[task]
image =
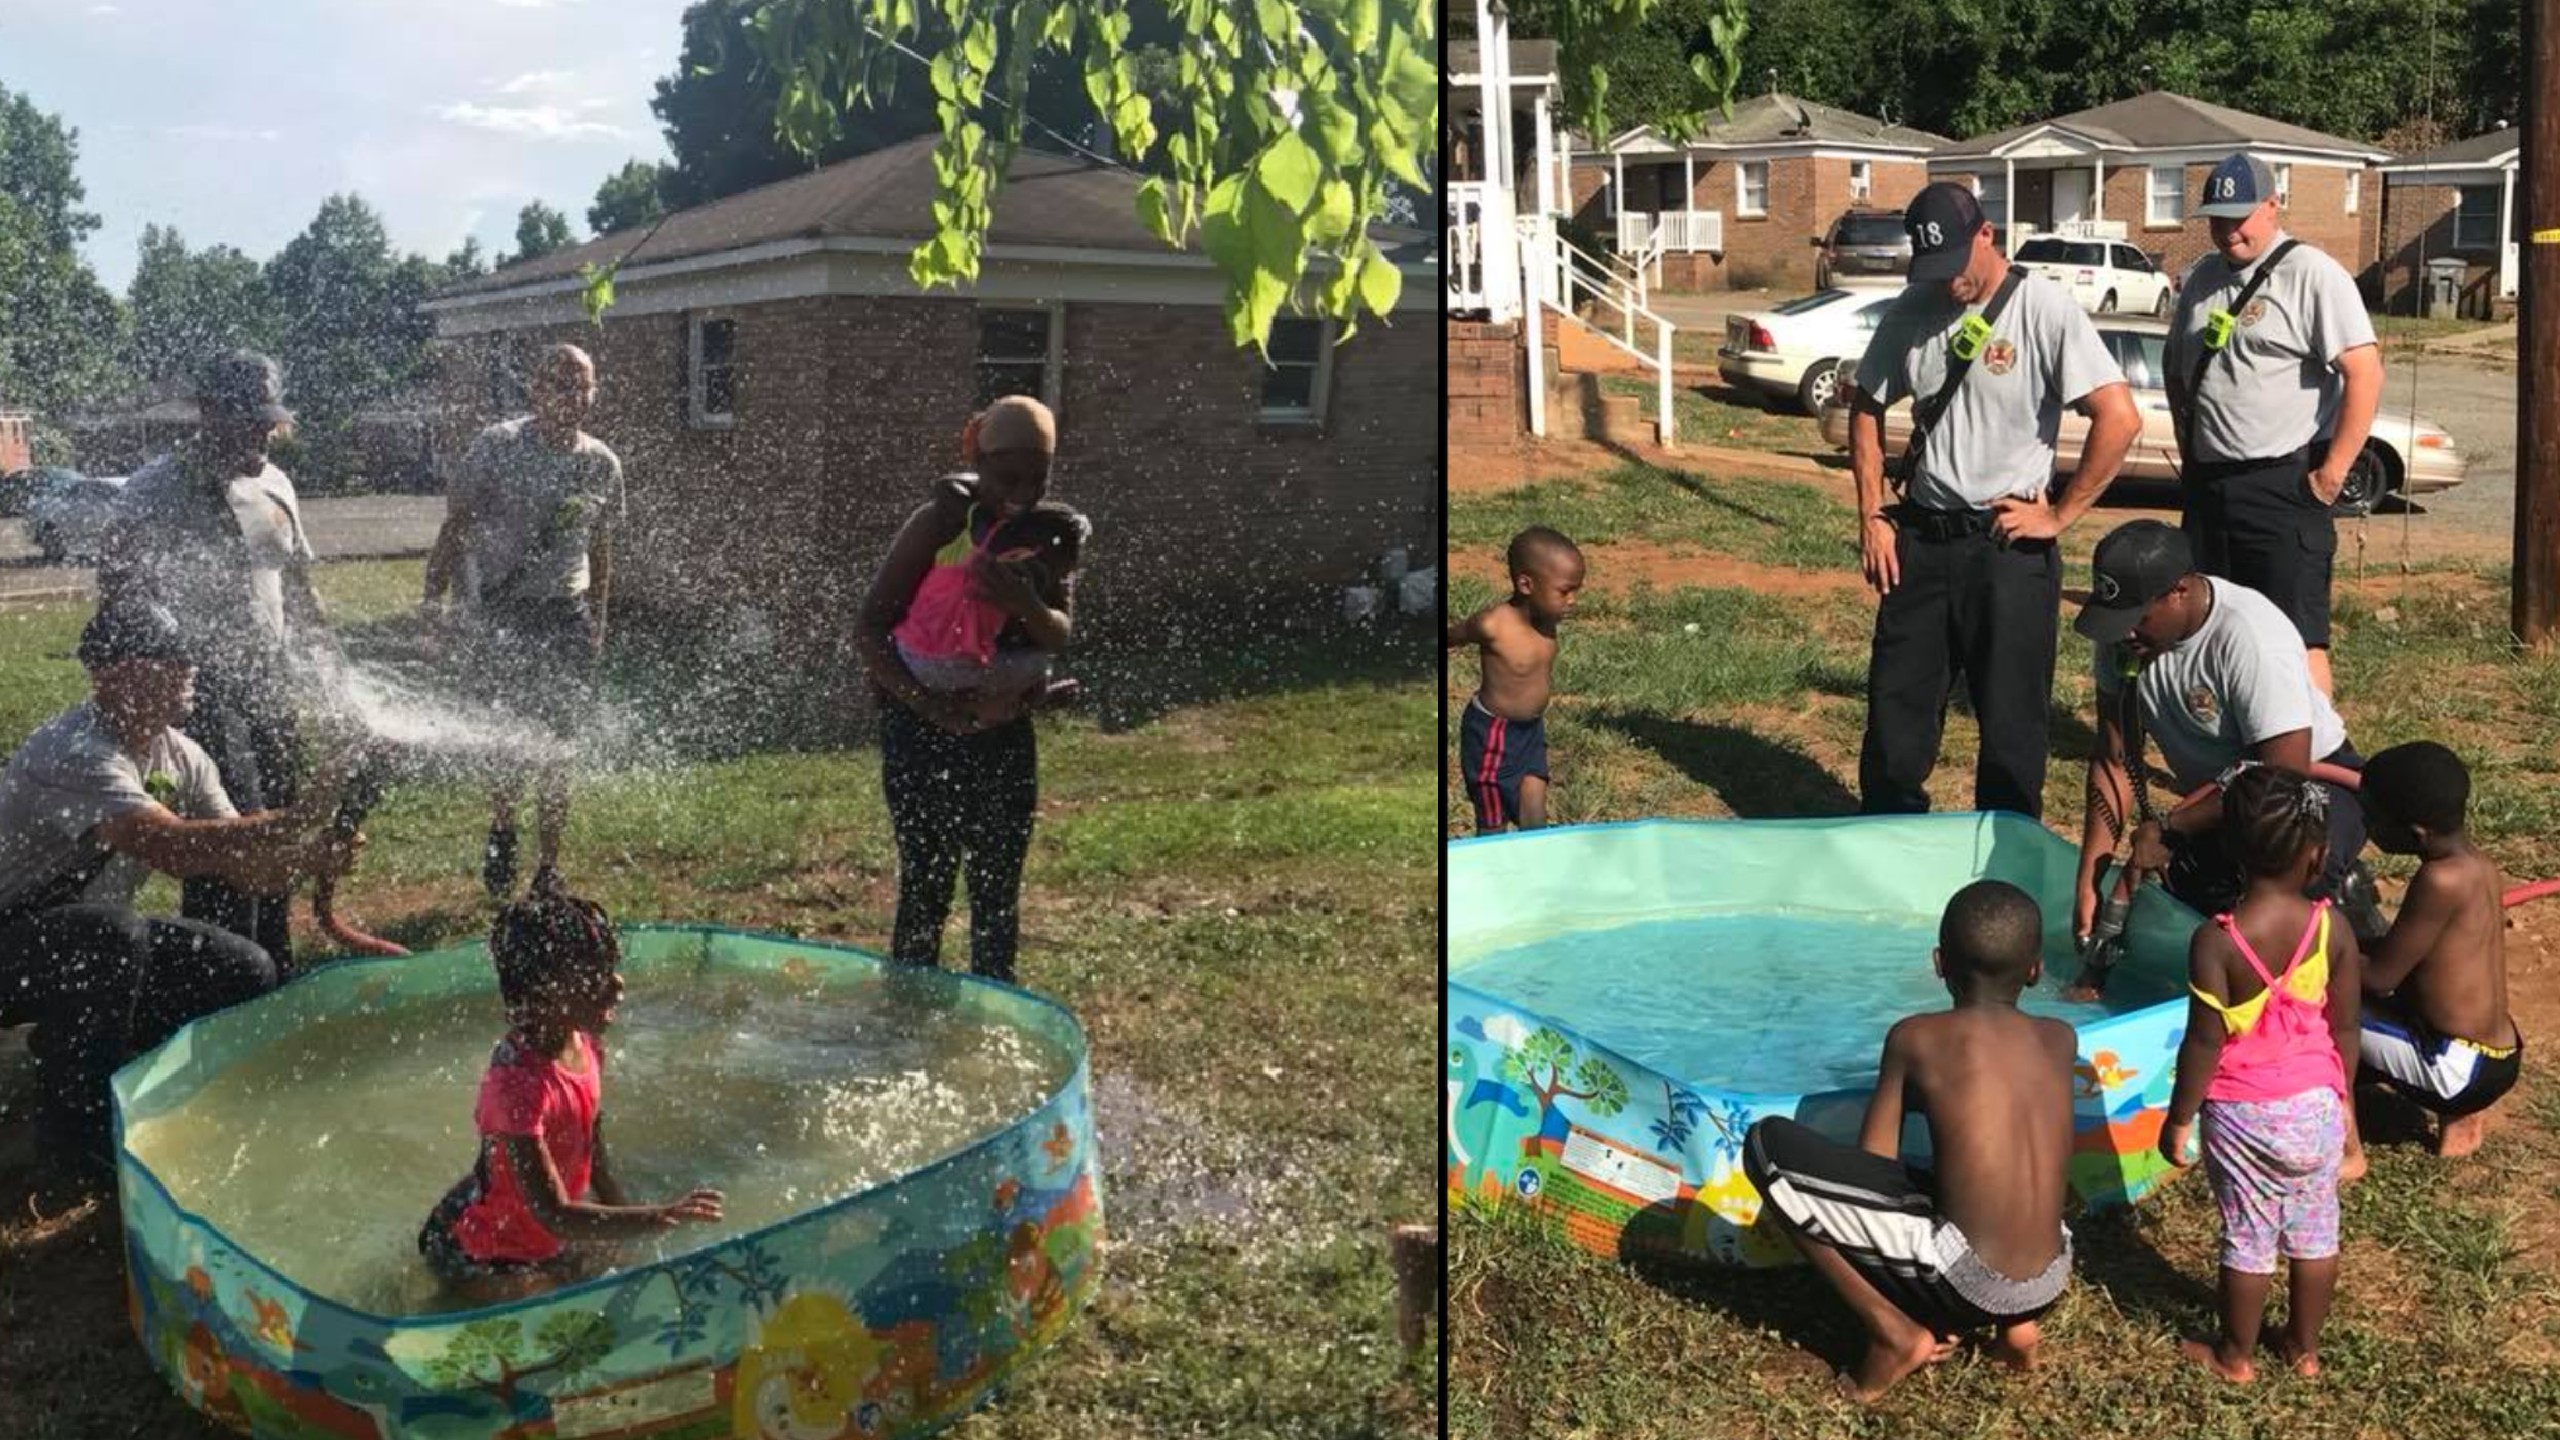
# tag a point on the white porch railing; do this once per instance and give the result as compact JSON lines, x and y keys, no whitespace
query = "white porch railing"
{"x":2507,"y":271}
{"x":1617,"y":314}
{"x":1683,"y":231}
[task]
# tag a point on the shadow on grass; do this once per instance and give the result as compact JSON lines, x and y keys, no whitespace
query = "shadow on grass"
{"x":2110,"y":1254}
{"x":1755,"y":776}
{"x":1791,"y":1302}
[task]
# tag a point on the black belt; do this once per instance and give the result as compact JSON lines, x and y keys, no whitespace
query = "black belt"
{"x":1930,"y":524}
{"x":2311,"y":455}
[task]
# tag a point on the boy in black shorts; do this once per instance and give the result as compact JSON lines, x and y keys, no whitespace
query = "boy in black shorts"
{"x":1502,"y":742}
{"x":2436,"y":1027}
{"x":1979,"y":1244}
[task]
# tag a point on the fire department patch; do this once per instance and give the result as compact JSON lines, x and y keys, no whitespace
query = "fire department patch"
{"x":2202,"y":705}
{"x":2253,"y":312}
{"x":1999,"y":356}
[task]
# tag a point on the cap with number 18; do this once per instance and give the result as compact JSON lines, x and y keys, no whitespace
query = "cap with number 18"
{"x":1942,"y":221}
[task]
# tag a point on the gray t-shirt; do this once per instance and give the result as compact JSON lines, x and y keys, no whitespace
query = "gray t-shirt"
{"x":535,"y":512}
{"x":2240,"y":679}
{"x":70,"y":777}
{"x":2274,"y":388}
{"x":1996,"y":439}
{"x":215,"y":552}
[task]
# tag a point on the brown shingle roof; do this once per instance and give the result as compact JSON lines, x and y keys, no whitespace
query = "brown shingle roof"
{"x":2161,"y":120}
{"x":2478,"y":150}
{"x":1049,"y":200}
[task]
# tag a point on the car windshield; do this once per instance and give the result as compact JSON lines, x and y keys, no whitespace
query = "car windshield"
{"x":2040,"y":252}
{"x":1869,"y":230}
{"x":1814,"y":301}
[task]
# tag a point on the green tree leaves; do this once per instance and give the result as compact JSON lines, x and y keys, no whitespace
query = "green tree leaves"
{"x":1271,"y":129}
{"x":629,"y":197}
{"x":540,"y":230}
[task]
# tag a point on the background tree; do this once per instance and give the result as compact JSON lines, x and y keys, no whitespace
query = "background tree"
{"x":59,"y":328}
{"x":186,"y":307}
{"x":539,"y":231}
{"x":466,"y":262}
{"x":629,"y":197}
{"x":348,"y":329}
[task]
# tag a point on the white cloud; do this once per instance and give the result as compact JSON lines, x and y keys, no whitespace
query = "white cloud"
{"x":542,"y":122}
{"x":106,"y":9}
{"x":535,"y":4}
{"x":227,"y":133}
{"x":536,"y":80}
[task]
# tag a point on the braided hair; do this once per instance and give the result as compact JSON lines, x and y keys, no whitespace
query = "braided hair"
{"x":2270,"y":815}
{"x":542,"y":939}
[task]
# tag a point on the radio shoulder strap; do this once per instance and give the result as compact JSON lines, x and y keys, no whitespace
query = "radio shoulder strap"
{"x":1925,"y":414}
{"x":2204,"y":355}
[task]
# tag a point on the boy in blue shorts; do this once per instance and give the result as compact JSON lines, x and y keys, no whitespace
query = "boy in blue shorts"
{"x":1502,"y":742}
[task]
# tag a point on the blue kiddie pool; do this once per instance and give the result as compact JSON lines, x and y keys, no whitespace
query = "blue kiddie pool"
{"x":908,"y":1160}
{"x":1625,"y":1000}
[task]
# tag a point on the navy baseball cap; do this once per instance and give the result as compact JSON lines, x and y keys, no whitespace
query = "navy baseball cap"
{"x":1941,"y":221}
{"x":243,"y":385}
{"x":124,"y":630}
{"x":2136,"y":564}
{"x":2237,"y":186}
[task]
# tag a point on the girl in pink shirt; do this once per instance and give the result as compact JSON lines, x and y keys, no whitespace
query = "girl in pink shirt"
{"x":523,"y":1221}
{"x":2273,"y":1005}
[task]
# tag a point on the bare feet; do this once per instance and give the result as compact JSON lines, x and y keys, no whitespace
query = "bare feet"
{"x":1885,"y":1365}
{"x":2209,"y":1355}
{"x":2457,"y":1138}
{"x":2305,"y":1359}
{"x":2353,"y":1166}
{"x":2016,"y":1347}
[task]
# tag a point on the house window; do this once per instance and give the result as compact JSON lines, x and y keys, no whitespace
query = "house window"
{"x":711,"y":373}
{"x":2355,"y":189}
{"x":1861,"y":180}
{"x":1751,"y":188}
{"x":1018,"y":352}
{"x":1294,"y":383}
{"x":2475,"y":223}
{"x":2284,"y":187}
{"x":2167,"y":200}
{"x":1993,"y":193}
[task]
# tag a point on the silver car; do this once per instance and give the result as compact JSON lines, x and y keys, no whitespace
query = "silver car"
{"x":69,"y":514}
{"x":2405,"y":455}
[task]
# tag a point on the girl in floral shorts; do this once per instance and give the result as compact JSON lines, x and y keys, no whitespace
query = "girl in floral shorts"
{"x":2260,"y":1063}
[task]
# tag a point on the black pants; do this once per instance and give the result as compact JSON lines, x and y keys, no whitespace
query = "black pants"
{"x":1964,"y":603}
{"x":2256,"y":523}
{"x":102,"y":983}
{"x":958,"y":801}
{"x":2203,"y":874}
{"x":244,"y":722}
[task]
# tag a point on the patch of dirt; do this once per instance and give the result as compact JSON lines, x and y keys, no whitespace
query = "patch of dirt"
{"x":1480,"y":469}
{"x":1622,"y":565}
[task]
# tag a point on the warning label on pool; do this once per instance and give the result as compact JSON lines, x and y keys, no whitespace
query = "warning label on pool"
{"x":686,"y":1393}
{"x":1631,"y":1172}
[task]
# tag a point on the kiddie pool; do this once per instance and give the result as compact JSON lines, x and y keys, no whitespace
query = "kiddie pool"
{"x":887,"y":1313}
{"x":1625,"y":1159}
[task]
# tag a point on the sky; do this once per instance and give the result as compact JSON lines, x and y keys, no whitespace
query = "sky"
{"x":233,"y":119}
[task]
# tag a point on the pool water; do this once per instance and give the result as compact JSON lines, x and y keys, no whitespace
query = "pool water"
{"x":323,"y":1151}
{"x":1774,"y":1002}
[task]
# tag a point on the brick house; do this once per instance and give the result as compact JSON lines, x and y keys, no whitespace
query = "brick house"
{"x":2458,"y":203}
{"x":2140,"y":163}
{"x":1742,"y":204}
{"x":781,"y":394}
{"x":17,"y":441}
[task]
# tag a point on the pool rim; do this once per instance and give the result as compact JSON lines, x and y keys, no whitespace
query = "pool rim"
{"x":1078,"y":1077}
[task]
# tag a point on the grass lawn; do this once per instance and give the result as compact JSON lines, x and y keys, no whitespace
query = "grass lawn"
{"x":1715,"y":415}
{"x":1238,"y":898}
{"x":2448,"y":1320}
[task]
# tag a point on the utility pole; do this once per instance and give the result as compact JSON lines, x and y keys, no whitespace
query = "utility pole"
{"x":2536,"y":613}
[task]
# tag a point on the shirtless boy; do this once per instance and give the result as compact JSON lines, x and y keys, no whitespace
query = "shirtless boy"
{"x":2436,"y":1028}
{"x":1979,"y":1244}
{"x":1502,"y":744}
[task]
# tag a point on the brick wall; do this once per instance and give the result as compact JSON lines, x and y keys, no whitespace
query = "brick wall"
{"x":2315,"y":213}
{"x":847,"y":407}
{"x":1486,"y":384}
{"x":2420,"y":222}
{"x":1805,"y":195}
{"x":17,"y":450}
